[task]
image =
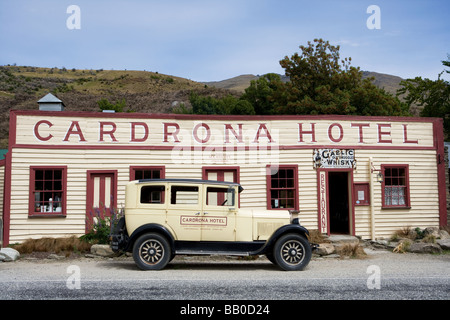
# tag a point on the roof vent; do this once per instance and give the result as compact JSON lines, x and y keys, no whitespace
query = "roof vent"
{"x":50,"y":103}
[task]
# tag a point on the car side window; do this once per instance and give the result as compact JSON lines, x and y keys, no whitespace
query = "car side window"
{"x":216,"y":196}
{"x":184,"y":195}
{"x":152,"y":194}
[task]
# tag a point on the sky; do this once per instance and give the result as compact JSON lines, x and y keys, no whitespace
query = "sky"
{"x":210,"y":40}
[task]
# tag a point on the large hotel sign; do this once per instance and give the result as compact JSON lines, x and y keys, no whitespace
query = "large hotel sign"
{"x":94,"y":129}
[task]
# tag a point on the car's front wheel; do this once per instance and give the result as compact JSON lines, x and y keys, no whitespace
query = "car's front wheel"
{"x":292,"y":252}
{"x":151,"y":251}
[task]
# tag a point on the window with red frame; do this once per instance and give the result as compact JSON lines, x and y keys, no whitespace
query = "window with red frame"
{"x":47,"y":190}
{"x":395,"y":186}
{"x":138,"y":173}
{"x":282,"y":187}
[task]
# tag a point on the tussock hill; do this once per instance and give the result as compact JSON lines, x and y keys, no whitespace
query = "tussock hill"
{"x":149,"y":92}
{"x":389,"y":82}
{"x":144,"y":91}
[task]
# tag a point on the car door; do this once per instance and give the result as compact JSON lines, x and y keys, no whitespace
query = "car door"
{"x":219,"y":213}
{"x":184,"y":211}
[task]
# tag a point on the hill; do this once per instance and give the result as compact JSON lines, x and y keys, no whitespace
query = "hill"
{"x":144,"y":91}
{"x":389,"y":82}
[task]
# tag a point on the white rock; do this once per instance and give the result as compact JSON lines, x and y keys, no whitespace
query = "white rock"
{"x":9,"y":254}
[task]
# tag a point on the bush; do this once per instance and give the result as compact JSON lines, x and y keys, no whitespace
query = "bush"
{"x":351,"y":250}
{"x":101,"y":225}
{"x":56,"y":245}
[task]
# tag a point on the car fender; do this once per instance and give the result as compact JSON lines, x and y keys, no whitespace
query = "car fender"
{"x":289,"y":228}
{"x":150,"y":227}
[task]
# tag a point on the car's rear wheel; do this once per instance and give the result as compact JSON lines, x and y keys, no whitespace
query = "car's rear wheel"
{"x":151,"y":251}
{"x":292,"y":252}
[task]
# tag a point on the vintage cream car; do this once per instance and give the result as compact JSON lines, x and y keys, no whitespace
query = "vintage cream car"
{"x":166,"y":217}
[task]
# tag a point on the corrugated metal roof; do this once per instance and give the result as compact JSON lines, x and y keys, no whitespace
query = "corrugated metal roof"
{"x":49,"y":98}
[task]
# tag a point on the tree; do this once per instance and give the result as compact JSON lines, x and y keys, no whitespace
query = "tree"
{"x":447,"y":63}
{"x":433,"y":96}
{"x":226,"y":105}
{"x":119,"y":106}
{"x":322,"y":83}
{"x":264,"y":94}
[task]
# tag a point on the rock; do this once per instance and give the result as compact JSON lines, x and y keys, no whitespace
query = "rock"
{"x":331,"y":256}
{"x":103,"y":250}
{"x":9,"y":254}
{"x":443,"y":234}
{"x":423,"y":247}
{"x":382,"y":244}
{"x":431,"y":231}
{"x":325,"y":249}
{"x":444,"y":244}
{"x":55,"y":256}
{"x":343,"y":239}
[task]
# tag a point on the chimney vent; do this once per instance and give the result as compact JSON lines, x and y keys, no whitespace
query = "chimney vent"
{"x":50,"y":103}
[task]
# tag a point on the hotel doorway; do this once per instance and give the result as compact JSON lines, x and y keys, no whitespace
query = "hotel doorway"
{"x":339,"y":202}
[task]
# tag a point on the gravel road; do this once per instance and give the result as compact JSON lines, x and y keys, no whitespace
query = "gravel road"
{"x":381,"y":275}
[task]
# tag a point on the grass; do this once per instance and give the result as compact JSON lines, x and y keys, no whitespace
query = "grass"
{"x":351,"y":250}
{"x":315,"y":236}
{"x":57,"y":245}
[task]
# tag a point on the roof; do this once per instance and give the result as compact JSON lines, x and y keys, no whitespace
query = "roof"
{"x":49,"y":98}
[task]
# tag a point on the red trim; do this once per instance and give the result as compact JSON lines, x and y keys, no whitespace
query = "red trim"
{"x":319,"y":199}
{"x":269,"y":186}
{"x":221,"y":170}
{"x":407,"y":204}
{"x":90,"y":190}
{"x":169,"y":116}
{"x":31,"y":204}
{"x":197,"y":148}
{"x":440,"y":153}
{"x":361,"y":186}
{"x":162,"y":171}
{"x":7,"y":186}
{"x":234,"y":169}
{"x":350,"y":198}
{"x":171,"y":135}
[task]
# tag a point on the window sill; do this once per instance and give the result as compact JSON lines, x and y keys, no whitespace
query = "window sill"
{"x":49,"y":215}
{"x":394,"y":208}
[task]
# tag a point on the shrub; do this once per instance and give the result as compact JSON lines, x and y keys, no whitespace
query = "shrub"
{"x":101,"y":226}
{"x":403,"y":246}
{"x":57,"y":245}
{"x":351,"y":250}
{"x":315,"y":236}
{"x":404,"y":232}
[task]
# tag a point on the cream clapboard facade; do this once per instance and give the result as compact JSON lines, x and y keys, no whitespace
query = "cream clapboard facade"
{"x":94,"y":150}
